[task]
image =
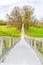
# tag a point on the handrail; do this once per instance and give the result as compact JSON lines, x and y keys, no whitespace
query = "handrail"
{"x":7,"y":47}
{"x":33,"y":43}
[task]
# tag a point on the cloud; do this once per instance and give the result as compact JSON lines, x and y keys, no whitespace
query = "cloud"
{"x":7,"y":5}
{"x":6,"y":2}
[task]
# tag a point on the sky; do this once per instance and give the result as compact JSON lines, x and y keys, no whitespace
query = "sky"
{"x":7,"y":5}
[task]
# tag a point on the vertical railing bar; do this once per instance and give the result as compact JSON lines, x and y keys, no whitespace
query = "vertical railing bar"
{"x":1,"y":46}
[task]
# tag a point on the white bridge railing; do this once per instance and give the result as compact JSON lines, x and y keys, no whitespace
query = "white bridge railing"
{"x":6,"y":43}
{"x":37,"y":45}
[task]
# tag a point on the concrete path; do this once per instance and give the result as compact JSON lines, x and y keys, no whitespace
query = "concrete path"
{"x":22,"y":33}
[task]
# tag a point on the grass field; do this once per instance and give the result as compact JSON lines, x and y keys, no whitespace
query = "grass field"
{"x":35,"y":32}
{"x":9,"y":31}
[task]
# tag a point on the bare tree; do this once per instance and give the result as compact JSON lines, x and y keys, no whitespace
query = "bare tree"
{"x":15,"y":17}
{"x":28,"y":15}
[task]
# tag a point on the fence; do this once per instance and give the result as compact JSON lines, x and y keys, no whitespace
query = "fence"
{"x":37,"y":45}
{"x":6,"y":44}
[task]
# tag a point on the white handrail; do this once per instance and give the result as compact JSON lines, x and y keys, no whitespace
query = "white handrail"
{"x":12,"y":42}
{"x":29,"y":39}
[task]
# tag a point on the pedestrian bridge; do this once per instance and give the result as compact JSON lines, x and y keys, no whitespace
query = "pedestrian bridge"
{"x":20,"y":51}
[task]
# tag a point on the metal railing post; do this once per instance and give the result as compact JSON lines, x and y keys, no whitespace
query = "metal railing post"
{"x":13,"y":40}
{"x":42,"y":45}
{"x":4,"y":43}
{"x":10,"y":43}
{"x":34,"y":43}
{"x":31,"y":42}
{"x":1,"y":46}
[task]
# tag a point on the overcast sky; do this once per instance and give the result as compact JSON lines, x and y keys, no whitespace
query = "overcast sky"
{"x":7,"y":5}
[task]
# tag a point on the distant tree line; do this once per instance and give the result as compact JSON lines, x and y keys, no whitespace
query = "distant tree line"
{"x":2,"y":22}
{"x":37,"y":23}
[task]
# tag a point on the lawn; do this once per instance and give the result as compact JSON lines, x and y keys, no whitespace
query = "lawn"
{"x":9,"y":31}
{"x":35,"y":32}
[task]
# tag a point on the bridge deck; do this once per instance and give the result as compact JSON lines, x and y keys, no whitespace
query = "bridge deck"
{"x":22,"y":54}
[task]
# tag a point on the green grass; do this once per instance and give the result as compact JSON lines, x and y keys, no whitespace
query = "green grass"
{"x":9,"y":31}
{"x":35,"y":32}
{"x":7,"y":45}
{"x":41,"y":51}
{"x":37,"y":45}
